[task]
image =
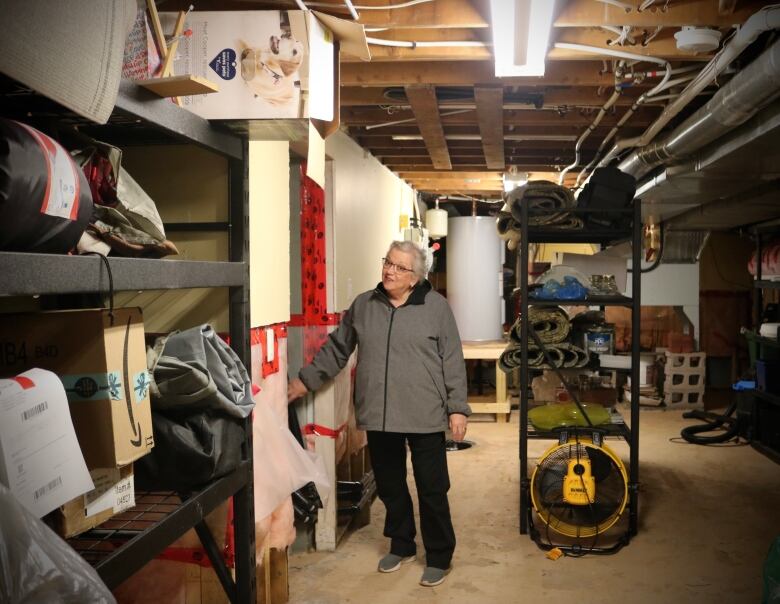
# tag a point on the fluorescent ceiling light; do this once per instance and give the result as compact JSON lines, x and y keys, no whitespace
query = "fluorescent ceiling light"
{"x":521,"y":35}
{"x":514,"y":179}
{"x":507,"y":137}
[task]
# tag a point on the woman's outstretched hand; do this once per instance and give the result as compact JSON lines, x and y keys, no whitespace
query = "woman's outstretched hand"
{"x":295,"y":389}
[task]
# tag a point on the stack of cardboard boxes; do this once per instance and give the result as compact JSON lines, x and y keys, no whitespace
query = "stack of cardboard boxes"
{"x":100,"y":357}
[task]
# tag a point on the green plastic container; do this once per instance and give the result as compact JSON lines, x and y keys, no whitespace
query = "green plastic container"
{"x":771,"y":593}
{"x":761,"y":348}
{"x":564,"y":415}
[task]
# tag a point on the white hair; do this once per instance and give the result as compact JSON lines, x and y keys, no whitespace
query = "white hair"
{"x":419,"y":256}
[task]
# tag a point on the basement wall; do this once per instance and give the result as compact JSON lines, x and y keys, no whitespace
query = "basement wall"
{"x":367,"y":201}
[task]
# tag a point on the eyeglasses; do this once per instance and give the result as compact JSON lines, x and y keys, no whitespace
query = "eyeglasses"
{"x":397,"y":267}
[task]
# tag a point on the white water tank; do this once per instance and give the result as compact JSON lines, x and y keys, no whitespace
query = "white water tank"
{"x":436,"y":223}
{"x":475,"y":277}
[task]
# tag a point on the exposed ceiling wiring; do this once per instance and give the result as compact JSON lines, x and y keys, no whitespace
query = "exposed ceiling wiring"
{"x":412,"y":119}
{"x":650,"y":37}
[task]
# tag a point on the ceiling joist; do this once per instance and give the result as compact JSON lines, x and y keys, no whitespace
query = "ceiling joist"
{"x":426,"y":111}
{"x":490,"y":116}
{"x":469,"y":73}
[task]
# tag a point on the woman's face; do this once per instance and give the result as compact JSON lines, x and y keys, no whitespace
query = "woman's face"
{"x":397,"y":274}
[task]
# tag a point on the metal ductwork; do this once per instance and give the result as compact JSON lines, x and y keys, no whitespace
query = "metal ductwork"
{"x":747,"y":92}
{"x":733,"y":167}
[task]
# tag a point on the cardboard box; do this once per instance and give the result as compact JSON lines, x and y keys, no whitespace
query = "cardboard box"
{"x":268,"y":64}
{"x":114,"y":492}
{"x":102,"y":365}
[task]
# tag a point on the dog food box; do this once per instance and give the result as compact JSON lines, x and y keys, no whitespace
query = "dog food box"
{"x":268,"y":64}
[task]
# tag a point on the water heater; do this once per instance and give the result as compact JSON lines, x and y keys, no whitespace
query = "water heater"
{"x":475,"y":277}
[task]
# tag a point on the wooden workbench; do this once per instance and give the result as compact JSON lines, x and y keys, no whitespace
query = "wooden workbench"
{"x":501,"y":405}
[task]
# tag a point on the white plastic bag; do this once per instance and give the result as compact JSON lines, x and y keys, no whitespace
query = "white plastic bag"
{"x":281,"y":464}
{"x":37,"y":567}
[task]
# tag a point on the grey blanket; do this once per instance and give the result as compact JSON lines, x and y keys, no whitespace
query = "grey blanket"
{"x":196,"y":370}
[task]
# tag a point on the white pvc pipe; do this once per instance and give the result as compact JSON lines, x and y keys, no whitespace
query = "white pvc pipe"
{"x":621,"y":54}
{"x":351,"y":10}
{"x":665,"y":84}
{"x":766,"y":19}
{"x":602,"y":112}
{"x":412,"y":119}
{"x":391,"y":6}
{"x":301,"y":5}
{"x":435,"y":44}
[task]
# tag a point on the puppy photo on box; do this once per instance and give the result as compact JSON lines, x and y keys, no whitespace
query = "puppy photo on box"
{"x":271,"y":71}
{"x":258,"y":58}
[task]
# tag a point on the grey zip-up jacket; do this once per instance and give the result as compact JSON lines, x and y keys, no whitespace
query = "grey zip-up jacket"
{"x":410,"y":369}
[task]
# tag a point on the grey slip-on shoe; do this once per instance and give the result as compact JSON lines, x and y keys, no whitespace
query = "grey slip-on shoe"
{"x":391,"y":562}
{"x":433,"y":576}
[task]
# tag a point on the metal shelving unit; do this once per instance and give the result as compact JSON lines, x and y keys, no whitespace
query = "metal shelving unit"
{"x":123,"y":545}
{"x":764,"y":402}
{"x":617,"y":428}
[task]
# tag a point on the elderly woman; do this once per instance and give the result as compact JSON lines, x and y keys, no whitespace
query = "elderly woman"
{"x":409,"y":387}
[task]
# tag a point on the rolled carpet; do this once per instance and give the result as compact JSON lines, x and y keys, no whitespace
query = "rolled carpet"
{"x":564,"y":354}
{"x":551,"y":324}
{"x":539,"y":195}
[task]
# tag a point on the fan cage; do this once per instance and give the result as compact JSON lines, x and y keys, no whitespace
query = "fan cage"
{"x":579,"y":521}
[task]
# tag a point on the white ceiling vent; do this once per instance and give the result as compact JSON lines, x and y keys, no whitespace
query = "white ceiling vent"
{"x":697,"y":39}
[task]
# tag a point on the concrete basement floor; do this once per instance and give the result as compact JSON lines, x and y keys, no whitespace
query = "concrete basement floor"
{"x":707,"y":518}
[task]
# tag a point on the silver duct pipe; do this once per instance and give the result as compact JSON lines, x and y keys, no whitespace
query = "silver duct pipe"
{"x":766,"y":19}
{"x":748,"y":91}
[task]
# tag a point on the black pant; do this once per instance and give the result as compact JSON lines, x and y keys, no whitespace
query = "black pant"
{"x":429,"y":460}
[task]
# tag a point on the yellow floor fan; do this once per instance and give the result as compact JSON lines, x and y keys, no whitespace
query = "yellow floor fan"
{"x":579,"y":489}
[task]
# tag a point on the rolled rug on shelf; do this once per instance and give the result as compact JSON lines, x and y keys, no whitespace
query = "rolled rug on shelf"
{"x":542,"y":195}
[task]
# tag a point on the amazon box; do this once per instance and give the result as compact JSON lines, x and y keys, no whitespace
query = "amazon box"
{"x":101,"y":360}
{"x":114,"y":493}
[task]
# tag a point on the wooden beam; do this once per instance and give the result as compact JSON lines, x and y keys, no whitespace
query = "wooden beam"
{"x":490,"y":116}
{"x":461,"y":147}
{"x":511,"y":117}
{"x":546,"y":167}
{"x":426,"y":112}
{"x":587,"y":96}
{"x":459,"y":162}
{"x":452,"y":174}
{"x":426,"y":53}
{"x":530,"y":131}
{"x":457,"y":184}
{"x":440,"y":13}
{"x":469,"y":73}
{"x":587,"y":13}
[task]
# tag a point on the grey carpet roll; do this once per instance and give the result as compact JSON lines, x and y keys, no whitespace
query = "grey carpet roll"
{"x":539,"y":195}
{"x":553,"y":326}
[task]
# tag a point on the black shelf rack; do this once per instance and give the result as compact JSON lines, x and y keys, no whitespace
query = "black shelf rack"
{"x":617,"y":428}
{"x":766,"y":416}
{"x":122,"y":546}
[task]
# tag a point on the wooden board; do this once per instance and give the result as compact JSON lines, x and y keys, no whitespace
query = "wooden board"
{"x":426,"y":111}
{"x":484,"y":350}
{"x":490,"y":116}
{"x":184,"y":85}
